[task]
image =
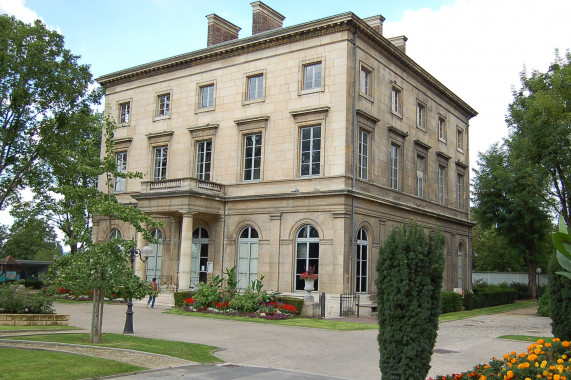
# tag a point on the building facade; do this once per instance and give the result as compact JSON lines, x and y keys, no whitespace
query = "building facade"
{"x":293,"y":148}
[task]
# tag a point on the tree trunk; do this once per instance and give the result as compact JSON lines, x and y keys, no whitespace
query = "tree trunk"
{"x":97,"y":316}
{"x":531,"y":277}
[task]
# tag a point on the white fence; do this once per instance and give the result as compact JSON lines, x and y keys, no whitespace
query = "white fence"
{"x":496,"y":278}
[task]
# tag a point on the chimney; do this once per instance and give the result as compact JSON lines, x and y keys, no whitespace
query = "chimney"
{"x":220,"y":30}
{"x":265,"y":18}
{"x":375,"y":22}
{"x":399,"y":42}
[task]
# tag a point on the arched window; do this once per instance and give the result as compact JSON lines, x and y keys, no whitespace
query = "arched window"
{"x":115,"y":234}
{"x":460,"y":268}
{"x":247,"y":268}
{"x":362,"y":262}
{"x":154,"y":261}
{"x":199,"y":258}
{"x":306,"y":254}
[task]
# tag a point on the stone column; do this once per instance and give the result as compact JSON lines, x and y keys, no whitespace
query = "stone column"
{"x":139,"y":266}
{"x":185,"y":252}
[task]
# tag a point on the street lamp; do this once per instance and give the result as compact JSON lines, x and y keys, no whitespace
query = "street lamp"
{"x":143,"y":256}
{"x":538,"y":271}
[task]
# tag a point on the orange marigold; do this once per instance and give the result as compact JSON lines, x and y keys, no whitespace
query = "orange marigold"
{"x":565,"y":343}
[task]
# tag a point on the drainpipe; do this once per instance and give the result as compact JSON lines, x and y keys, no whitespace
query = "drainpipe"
{"x":353,"y":157}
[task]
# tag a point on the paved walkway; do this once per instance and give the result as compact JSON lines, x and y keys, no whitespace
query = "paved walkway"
{"x":262,"y":348}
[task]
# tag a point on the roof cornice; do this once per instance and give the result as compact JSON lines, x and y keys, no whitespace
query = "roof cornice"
{"x":280,"y":36}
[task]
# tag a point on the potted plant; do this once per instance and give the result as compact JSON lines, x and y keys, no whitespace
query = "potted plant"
{"x":309,"y":277}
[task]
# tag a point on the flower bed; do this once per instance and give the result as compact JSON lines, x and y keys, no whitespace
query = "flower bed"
{"x":543,"y":360}
{"x":272,"y":310}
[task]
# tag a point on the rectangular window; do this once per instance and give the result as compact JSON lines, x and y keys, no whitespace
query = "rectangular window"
{"x":124,"y":113}
{"x":460,"y":191}
{"x":441,"y":182}
{"x":207,"y":96}
{"x":420,"y":116}
{"x":363,"y":170}
{"x":164,"y":105}
{"x":394,"y":170}
{"x":365,"y":81}
{"x":252,"y":156}
{"x":312,"y":76}
{"x":441,"y":129}
{"x":255,"y":87}
{"x":310,"y":151}
{"x":460,"y":139}
{"x":203,"y":159}
{"x":396,"y":101}
{"x":121,"y":160}
{"x":420,"y":176}
{"x":160,"y":163}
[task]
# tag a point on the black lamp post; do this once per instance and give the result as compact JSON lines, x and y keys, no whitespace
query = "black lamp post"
{"x":143,"y":256}
{"x":538,"y":271}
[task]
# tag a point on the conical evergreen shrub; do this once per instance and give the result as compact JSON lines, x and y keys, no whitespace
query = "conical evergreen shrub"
{"x":409,"y":282}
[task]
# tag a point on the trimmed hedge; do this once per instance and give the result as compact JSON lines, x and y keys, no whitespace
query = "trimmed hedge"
{"x":297,"y":302}
{"x":451,"y":302}
{"x":489,"y":296}
{"x":179,"y":297}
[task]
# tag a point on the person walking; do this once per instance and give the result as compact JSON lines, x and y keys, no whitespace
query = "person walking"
{"x":155,"y":290}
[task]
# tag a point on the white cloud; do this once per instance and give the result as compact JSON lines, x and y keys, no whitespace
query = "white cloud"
{"x":478,"y":48}
{"x":18,"y":9}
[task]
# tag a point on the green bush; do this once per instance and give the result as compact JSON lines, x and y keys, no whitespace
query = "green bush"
{"x":543,"y":305}
{"x":409,"y":282}
{"x":34,"y":284}
{"x":559,"y":301}
{"x":523,"y":290}
{"x":247,"y":302}
{"x":297,"y":302}
{"x":19,"y":300}
{"x":451,"y":302}
{"x":179,"y":297}
{"x":490,"y":295}
{"x":206,"y":295}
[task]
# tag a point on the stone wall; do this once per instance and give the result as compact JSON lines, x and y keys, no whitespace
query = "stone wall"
{"x":34,"y":319}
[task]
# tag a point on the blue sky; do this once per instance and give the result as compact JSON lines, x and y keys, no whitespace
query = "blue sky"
{"x":477,"y":48}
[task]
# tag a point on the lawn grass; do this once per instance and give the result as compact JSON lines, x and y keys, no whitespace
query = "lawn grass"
{"x":339,"y":325}
{"x":20,"y":328}
{"x":316,"y":323}
{"x":47,"y":365}
{"x":188,"y":351}
{"x":527,"y":338}
{"x":487,"y":310}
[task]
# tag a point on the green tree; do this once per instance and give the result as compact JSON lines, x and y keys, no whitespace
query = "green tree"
{"x":559,"y":301}
{"x":41,"y":87}
{"x":508,"y":195}
{"x":72,"y":183}
{"x":32,"y":239}
{"x":540,"y":129}
{"x":409,"y":282}
{"x":491,"y":252}
{"x":103,"y":268}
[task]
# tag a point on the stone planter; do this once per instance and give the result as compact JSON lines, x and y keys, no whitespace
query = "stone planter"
{"x":34,"y":319}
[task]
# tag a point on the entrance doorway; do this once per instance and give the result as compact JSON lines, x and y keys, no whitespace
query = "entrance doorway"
{"x":199,"y":259}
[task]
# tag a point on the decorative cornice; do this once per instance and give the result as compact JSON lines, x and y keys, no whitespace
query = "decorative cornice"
{"x":443,"y":155}
{"x":461,"y":164}
{"x":367,"y":115}
{"x":308,"y":111}
{"x":421,"y":144}
{"x":399,"y":132}
{"x":333,"y":24}
{"x":253,"y":119}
